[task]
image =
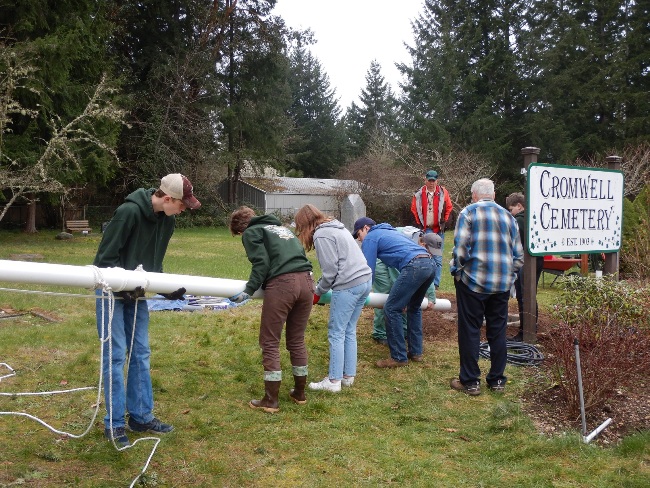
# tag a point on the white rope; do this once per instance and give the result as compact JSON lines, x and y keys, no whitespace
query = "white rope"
{"x":53,"y":293}
{"x":56,"y":392}
{"x":111,"y":309}
{"x":12,"y":372}
{"x":77,"y":295}
{"x":110,"y":298}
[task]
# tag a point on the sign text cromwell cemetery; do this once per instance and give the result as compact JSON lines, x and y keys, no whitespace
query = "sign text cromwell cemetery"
{"x":573,"y":210}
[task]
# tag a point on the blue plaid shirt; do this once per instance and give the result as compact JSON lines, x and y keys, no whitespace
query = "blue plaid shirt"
{"x":487,"y":249}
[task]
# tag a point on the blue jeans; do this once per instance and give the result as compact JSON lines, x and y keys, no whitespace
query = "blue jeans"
{"x":136,"y":396}
{"x":408,"y":292}
{"x":345,"y":310}
{"x":437,"y":259}
{"x":472,"y":308}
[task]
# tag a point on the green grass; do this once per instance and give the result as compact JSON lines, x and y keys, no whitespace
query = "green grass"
{"x":401,"y":427}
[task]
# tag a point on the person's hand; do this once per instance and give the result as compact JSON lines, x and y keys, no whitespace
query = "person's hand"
{"x":239,"y":297}
{"x":442,"y":224}
{"x":316,"y":298}
{"x":175,"y":295}
{"x":130,"y":296}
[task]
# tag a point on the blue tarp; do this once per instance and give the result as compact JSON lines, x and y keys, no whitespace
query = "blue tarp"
{"x":191,"y":303}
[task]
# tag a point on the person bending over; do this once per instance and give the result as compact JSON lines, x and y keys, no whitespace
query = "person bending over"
{"x":281,"y":268}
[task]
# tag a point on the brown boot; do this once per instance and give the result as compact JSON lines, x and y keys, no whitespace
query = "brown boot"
{"x":270,"y":401}
{"x":391,"y":363}
{"x":298,"y":392}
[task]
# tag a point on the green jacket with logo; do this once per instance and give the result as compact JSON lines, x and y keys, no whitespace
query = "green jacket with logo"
{"x":273,"y":250}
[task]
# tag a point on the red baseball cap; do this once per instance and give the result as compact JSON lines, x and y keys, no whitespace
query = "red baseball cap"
{"x":179,"y":187}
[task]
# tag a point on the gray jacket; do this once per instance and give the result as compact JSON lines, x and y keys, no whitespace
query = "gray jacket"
{"x":341,"y":261}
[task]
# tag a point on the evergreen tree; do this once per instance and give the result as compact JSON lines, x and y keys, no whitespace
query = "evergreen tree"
{"x":168,"y":49}
{"x":375,"y":117}
{"x":65,"y":44}
{"x":255,"y":96}
{"x":576,"y":65}
{"x":317,"y":146}
{"x":57,"y":141}
{"x":636,"y":69}
{"x":427,"y":106}
{"x":588,"y":65}
{"x":463,"y":87}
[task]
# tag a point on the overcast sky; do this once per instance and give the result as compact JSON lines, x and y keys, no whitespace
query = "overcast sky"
{"x":351,"y":34}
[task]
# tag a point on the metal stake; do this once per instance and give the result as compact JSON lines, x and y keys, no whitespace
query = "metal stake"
{"x":586,"y":438}
{"x":582,"y":399}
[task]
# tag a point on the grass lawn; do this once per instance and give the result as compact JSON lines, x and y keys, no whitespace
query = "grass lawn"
{"x":402,"y":427}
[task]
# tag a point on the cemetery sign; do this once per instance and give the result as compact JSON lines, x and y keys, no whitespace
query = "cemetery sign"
{"x":572,"y":210}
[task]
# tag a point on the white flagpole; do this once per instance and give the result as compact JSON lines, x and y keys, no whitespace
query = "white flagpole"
{"x":119,"y":279}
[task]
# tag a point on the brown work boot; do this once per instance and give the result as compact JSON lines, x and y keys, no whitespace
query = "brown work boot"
{"x":297,"y":394}
{"x":390,"y":363}
{"x":416,"y":358}
{"x":270,"y":402}
{"x":472,"y":389}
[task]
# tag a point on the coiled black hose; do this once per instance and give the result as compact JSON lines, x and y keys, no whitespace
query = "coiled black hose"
{"x":519,"y":353}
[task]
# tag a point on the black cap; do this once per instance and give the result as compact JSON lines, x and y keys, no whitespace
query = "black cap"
{"x":360,"y":224}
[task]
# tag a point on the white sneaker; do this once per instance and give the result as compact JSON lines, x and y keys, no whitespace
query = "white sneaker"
{"x":326,"y":385}
{"x":347,"y":381}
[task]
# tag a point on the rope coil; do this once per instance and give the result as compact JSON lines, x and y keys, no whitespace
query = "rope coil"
{"x":105,"y":338}
{"x":518,"y":353}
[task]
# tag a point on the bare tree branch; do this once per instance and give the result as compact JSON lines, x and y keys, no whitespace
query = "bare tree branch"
{"x":389,"y":176}
{"x":635,"y":166}
{"x":61,"y":151}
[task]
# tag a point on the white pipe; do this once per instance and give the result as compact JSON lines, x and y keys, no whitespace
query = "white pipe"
{"x":119,"y":279}
{"x":597,"y":431}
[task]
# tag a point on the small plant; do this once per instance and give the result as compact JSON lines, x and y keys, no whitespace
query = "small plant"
{"x":635,"y":252}
{"x":610,"y":321}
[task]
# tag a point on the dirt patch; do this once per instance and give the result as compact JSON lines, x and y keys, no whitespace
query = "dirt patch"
{"x":629,"y":409}
{"x":26,"y":257}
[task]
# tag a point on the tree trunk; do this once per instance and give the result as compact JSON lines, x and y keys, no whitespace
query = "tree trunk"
{"x":30,"y":225}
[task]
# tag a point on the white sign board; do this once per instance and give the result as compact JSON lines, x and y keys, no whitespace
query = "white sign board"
{"x":573,"y":210}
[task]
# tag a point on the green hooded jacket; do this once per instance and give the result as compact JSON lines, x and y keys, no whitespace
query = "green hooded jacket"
{"x":136,"y":235}
{"x":273,"y":250}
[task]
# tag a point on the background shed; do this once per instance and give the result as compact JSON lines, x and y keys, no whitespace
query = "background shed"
{"x":286,"y":195}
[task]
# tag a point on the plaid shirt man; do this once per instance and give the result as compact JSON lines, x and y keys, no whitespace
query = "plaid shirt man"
{"x":487,"y":250}
{"x":487,"y":255}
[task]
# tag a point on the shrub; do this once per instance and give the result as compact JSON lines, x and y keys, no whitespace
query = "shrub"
{"x":610,"y":321}
{"x":635,"y":251}
{"x":389,"y":177}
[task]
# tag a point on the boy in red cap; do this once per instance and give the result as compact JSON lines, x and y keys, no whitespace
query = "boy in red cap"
{"x":137,"y":235}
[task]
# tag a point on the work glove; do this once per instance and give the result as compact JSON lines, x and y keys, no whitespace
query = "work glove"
{"x":130,"y":296}
{"x":316,"y":298}
{"x":239,"y":297}
{"x":175,"y":295}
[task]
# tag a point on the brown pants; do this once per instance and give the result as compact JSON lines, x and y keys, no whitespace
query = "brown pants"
{"x":287,"y":298}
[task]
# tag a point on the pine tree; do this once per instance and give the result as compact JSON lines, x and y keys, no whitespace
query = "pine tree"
{"x":589,"y":91}
{"x":636,"y":67}
{"x":254,"y":95}
{"x":168,"y":50}
{"x":376,"y":117}
{"x":427,"y":105}
{"x":317,"y":145}
{"x":463,"y":87}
